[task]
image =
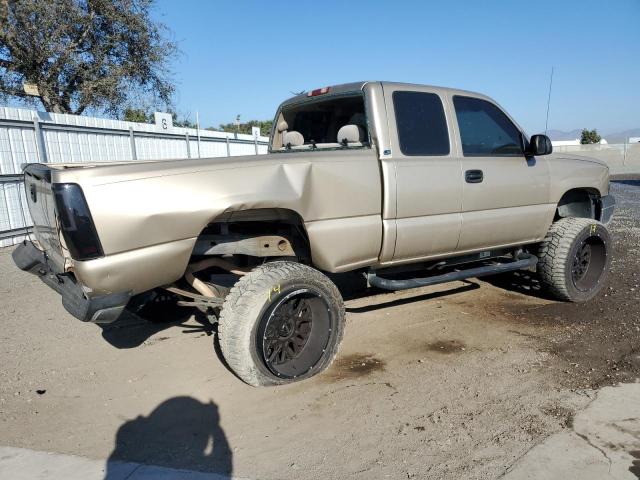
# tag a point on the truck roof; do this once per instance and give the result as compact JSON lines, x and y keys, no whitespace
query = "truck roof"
{"x":354,"y":86}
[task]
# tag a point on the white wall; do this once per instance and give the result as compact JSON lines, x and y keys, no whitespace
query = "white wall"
{"x":73,"y":138}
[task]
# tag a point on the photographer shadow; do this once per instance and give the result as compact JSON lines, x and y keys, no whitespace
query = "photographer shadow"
{"x":181,"y":433}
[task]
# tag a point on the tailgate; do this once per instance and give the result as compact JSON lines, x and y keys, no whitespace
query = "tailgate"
{"x":37,"y":182}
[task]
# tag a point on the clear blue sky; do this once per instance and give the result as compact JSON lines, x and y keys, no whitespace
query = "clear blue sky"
{"x":245,"y":57}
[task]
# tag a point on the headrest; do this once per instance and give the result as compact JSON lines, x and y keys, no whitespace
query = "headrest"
{"x":350,"y":134}
{"x":292,"y":139}
{"x":282,"y":126}
{"x":358,"y":119}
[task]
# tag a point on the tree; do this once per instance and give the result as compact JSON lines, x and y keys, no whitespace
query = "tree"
{"x":589,"y":136}
{"x":265,"y":127}
{"x":185,"y":121}
{"x":79,"y":54}
{"x":136,"y":115}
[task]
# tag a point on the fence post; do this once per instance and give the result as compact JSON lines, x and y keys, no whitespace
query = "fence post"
{"x":186,"y":136}
{"x":255,"y":144}
{"x":40,"y":145}
{"x":198,"y":132}
{"x":228,"y":147}
{"x":132,"y":141}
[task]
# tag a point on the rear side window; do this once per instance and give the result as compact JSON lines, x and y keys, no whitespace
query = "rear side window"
{"x":422,"y":126}
{"x":485,"y":130}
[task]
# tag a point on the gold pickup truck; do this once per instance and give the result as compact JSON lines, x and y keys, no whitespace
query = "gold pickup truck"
{"x":379,"y":178}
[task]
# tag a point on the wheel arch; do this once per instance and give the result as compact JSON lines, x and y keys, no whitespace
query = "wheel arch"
{"x":580,"y":202}
{"x":256,"y":222}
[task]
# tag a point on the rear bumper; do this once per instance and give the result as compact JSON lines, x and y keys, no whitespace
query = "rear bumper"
{"x":99,"y":309}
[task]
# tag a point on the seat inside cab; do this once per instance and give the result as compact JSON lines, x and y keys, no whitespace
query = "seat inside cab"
{"x":331,"y":122}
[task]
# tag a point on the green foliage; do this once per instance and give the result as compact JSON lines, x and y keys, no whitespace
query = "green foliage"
{"x":79,"y":54}
{"x":589,"y":136}
{"x":185,"y":121}
{"x":265,"y":127}
{"x":137,"y":115}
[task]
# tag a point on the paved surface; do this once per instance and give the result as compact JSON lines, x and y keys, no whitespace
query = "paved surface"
{"x":463,"y":380}
{"x":24,"y":464}
{"x":602,"y":442}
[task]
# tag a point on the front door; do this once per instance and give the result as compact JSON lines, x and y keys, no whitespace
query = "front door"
{"x":505,"y":194}
{"x":428,"y":185}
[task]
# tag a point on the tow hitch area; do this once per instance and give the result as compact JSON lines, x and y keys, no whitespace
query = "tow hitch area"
{"x":99,"y":309}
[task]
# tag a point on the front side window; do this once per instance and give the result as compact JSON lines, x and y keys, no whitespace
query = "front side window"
{"x":485,"y":130}
{"x":421,"y":123}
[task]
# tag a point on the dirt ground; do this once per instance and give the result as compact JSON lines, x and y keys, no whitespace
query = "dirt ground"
{"x":600,"y":340}
{"x":453,"y":381}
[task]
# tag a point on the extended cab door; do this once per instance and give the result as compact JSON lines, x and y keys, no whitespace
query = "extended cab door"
{"x":505,"y":194}
{"x":428,"y":185}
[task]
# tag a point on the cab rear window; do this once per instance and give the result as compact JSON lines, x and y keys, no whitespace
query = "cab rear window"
{"x":317,"y":123}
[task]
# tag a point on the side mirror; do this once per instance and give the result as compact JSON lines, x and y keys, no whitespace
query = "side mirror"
{"x":539,"y":145}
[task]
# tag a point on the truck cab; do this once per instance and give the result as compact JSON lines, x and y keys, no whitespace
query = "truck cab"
{"x":457,"y":173}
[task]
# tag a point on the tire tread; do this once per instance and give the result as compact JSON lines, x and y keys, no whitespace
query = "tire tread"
{"x":553,"y":255}
{"x":236,"y":320}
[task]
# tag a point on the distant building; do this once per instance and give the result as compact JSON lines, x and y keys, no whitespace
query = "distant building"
{"x":565,"y":143}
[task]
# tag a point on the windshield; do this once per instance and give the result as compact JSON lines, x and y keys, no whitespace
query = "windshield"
{"x":334,"y":122}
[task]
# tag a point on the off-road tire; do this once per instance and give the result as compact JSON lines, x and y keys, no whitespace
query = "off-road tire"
{"x":559,"y":257}
{"x":251,"y":301}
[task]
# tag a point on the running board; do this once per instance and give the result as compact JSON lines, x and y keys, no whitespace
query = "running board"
{"x":523,"y":262}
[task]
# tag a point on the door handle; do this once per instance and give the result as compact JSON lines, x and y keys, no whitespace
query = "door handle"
{"x":473,"y":176}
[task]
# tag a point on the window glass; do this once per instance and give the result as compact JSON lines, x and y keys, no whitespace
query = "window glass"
{"x":485,"y":130}
{"x":422,"y":126}
{"x":319,"y":119}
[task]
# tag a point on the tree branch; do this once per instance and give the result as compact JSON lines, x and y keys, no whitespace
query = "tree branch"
{"x":63,"y":59}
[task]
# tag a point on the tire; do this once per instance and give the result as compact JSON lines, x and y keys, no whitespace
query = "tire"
{"x":281,"y":323}
{"x":574,"y":259}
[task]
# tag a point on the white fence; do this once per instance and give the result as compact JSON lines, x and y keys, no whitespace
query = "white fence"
{"x":28,"y":136}
{"x":622,"y":158}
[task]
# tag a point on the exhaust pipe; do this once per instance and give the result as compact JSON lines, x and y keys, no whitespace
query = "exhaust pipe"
{"x":202,"y":287}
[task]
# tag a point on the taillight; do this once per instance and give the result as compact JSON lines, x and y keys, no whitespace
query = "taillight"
{"x":318,"y":91}
{"x":76,"y":223}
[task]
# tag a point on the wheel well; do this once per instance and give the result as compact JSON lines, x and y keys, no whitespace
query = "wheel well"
{"x":263,"y":222}
{"x":579,"y":203}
